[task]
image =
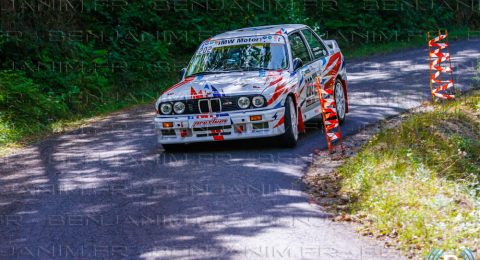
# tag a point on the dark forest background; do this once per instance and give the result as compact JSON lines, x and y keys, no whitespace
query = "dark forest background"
{"x":65,"y":59}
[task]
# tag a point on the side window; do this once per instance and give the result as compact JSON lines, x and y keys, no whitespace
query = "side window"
{"x":299,"y":50}
{"x":317,"y":47}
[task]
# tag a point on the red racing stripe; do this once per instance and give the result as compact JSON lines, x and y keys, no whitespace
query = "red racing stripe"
{"x":276,"y":94}
{"x":218,"y":138}
{"x":275,"y":81}
{"x":333,"y":72}
{"x":280,"y":122}
{"x":179,"y":84}
{"x":333,"y":58}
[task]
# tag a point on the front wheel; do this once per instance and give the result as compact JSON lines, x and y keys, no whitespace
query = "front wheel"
{"x":340,"y":101}
{"x":290,"y":137}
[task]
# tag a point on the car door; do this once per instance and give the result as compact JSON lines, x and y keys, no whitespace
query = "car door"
{"x":299,"y":49}
{"x":320,"y":55}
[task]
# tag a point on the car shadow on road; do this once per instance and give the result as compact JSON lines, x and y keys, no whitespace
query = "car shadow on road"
{"x":103,"y":191}
{"x":108,"y":191}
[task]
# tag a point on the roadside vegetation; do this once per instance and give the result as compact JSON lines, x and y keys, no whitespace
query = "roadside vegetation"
{"x":419,"y":183}
{"x":91,"y":58}
{"x":379,"y":48}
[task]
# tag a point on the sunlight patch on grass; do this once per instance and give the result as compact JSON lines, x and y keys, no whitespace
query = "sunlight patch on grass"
{"x":421,"y":180}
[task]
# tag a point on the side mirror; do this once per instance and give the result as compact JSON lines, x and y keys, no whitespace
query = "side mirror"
{"x":297,"y":63}
{"x":182,"y":73}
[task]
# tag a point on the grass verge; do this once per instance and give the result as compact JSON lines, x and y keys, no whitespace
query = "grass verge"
{"x":14,"y":136}
{"x":419,"y":182}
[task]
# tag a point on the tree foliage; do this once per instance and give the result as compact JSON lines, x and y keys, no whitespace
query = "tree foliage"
{"x":80,"y":55}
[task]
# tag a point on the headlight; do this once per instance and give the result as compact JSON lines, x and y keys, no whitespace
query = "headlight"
{"x":258,"y":101}
{"x":179,"y":107}
{"x":243,"y":102}
{"x":166,"y":108}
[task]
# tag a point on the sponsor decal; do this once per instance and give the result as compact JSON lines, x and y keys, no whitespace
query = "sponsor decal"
{"x":208,"y":45}
{"x":197,"y":95}
{"x":282,"y":31}
{"x":222,"y":115}
{"x":215,"y":91}
{"x":218,"y":138}
{"x":211,"y":122}
{"x":275,"y":116}
{"x":207,"y":91}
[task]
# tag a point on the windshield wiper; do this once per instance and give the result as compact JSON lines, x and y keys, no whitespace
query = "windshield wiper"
{"x":253,"y":69}
{"x":207,"y":72}
{"x":250,"y":69}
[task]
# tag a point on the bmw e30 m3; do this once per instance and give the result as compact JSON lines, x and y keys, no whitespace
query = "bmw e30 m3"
{"x":252,"y":83}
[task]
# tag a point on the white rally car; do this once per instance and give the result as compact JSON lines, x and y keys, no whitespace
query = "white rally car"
{"x":251,"y":83}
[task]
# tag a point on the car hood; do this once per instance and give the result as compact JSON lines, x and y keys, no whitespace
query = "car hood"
{"x":224,"y":84}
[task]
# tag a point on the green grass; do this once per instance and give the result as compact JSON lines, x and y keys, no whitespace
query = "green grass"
{"x":422,"y":179}
{"x":20,"y":133}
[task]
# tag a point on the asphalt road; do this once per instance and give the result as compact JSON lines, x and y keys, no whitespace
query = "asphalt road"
{"x":108,"y":191}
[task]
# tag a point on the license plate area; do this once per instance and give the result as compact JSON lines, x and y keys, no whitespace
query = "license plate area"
{"x":209,"y":122}
{"x":212,"y":128}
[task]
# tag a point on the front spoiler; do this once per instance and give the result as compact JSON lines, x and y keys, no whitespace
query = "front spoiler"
{"x":224,"y":126}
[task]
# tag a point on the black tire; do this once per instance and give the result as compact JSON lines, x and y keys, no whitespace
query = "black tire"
{"x":290,"y":137}
{"x":340,"y":115}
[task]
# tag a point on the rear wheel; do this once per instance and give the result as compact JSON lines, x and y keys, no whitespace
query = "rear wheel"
{"x":290,"y":137}
{"x":340,"y":100}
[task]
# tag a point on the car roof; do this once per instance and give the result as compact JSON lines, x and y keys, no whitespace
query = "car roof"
{"x":259,"y":30}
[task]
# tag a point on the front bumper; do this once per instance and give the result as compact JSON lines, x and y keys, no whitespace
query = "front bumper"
{"x":219,"y":126}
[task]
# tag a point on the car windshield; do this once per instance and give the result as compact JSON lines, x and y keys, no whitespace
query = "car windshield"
{"x":239,"y":54}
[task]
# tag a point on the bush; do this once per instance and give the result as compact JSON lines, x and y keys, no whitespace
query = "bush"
{"x":21,"y":100}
